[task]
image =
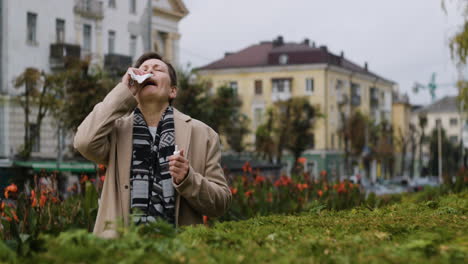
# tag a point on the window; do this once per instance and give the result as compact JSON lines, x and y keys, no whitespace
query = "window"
{"x":258,"y":114}
{"x":133,"y":6}
{"x":453,"y":121}
{"x":233,"y":86}
{"x":258,"y":87}
{"x":111,"y":3}
{"x":35,"y":137}
{"x":309,"y":85}
{"x":333,"y":140}
{"x":453,"y":139}
{"x":281,"y":85}
{"x":88,"y":5}
{"x":283,"y":59}
{"x":60,"y":30}
{"x":438,"y":122}
{"x":133,"y":45}
{"x":32,"y":28}
{"x":355,"y":94}
{"x":111,"y":42}
{"x":87,"y":38}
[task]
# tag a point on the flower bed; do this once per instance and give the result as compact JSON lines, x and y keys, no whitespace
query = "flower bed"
{"x":407,"y":232}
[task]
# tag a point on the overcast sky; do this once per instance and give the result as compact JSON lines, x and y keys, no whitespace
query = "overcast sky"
{"x":402,"y":40}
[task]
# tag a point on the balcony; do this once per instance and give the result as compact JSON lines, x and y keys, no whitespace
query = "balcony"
{"x":117,"y":63}
{"x":275,"y":97}
{"x":61,"y":54}
{"x":89,"y":8}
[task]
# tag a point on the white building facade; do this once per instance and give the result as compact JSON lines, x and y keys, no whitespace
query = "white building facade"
{"x":40,"y":34}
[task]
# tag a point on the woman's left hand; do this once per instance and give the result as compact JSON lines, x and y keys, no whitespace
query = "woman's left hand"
{"x":178,"y":167}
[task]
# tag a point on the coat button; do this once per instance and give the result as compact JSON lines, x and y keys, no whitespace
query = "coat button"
{"x":126,"y":186}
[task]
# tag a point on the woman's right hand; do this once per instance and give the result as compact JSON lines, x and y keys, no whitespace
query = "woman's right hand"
{"x":132,"y":85}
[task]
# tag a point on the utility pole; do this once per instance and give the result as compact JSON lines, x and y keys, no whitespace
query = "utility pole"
{"x":439,"y":143}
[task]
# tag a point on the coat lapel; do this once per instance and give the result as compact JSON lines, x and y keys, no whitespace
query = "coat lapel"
{"x":182,"y":131}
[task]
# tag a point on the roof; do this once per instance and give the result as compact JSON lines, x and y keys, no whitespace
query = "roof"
{"x":267,"y":53}
{"x":448,"y":104}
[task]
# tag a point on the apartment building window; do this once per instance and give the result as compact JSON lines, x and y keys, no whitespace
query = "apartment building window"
{"x":454,"y":139}
{"x":87,"y":38}
{"x":111,"y":42}
{"x":258,"y":87}
{"x":35,"y":137}
{"x":309,"y":85}
{"x":438,"y":122}
{"x":133,"y":6}
{"x":32,"y":28}
{"x":60,"y":30}
{"x":233,"y":86}
{"x":281,"y":85}
{"x":453,"y":121}
{"x":133,"y":45}
{"x":355,"y":94}
{"x":112,"y":4}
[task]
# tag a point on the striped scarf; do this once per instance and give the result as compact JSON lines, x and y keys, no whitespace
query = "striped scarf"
{"x":151,"y":191}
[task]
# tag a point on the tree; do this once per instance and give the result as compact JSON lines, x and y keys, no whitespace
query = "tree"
{"x":192,"y":95}
{"x":220,"y":111}
{"x":264,"y":137}
{"x":236,"y":131}
{"x":83,"y":89}
{"x":422,"y":118}
{"x":402,"y":141}
{"x":412,"y":141}
{"x":298,"y":126}
{"x":41,"y":92}
{"x":450,"y":154}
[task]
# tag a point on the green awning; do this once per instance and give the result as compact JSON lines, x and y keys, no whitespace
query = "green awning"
{"x":52,"y":166}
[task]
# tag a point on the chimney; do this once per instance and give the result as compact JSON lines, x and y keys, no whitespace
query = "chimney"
{"x":306,"y":42}
{"x":227,"y":54}
{"x":324,"y":48}
{"x":342,"y":54}
{"x":278,"y":41}
{"x":365,"y":66}
{"x":313,"y":44}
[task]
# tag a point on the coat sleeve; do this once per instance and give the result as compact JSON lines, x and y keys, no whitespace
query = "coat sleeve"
{"x":209,"y":194}
{"x":92,"y":137}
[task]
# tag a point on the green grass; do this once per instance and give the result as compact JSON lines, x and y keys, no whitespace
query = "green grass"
{"x":413,"y":231}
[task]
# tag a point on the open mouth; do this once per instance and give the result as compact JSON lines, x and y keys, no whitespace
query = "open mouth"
{"x":150,"y":82}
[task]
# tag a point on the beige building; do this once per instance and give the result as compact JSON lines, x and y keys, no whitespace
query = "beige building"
{"x":275,"y":70}
{"x":444,"y":112}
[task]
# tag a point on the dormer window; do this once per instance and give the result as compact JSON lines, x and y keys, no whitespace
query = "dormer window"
{"x":283,"y":59}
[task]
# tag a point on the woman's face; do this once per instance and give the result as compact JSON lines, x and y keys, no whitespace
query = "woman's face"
{"x":157,"y":88}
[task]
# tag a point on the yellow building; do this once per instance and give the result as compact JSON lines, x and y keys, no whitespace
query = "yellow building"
{"x":401,"y":119}
{"x":275,"y":70}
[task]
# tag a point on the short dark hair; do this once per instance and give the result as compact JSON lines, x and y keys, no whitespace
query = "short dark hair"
{"x":153,"y":55}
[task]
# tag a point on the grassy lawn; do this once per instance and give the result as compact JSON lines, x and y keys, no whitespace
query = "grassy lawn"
{"x":413,"y":231}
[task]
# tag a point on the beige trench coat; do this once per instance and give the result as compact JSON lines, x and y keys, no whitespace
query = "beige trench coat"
{"x":105,"y":137}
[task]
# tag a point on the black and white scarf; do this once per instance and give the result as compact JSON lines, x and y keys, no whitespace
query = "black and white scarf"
{"x":152,"y":192}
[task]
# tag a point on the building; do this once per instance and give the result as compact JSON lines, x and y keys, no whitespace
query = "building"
{"x":401,"y":120}
{"x":446,"y":113}
{"x":111,"y":33}
{"x":275,"y":70}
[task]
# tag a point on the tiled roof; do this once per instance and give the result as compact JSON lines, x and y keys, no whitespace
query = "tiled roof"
{"x":267,"y":54}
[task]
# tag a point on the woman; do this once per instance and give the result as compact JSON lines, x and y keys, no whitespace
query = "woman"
{"x":134,"y":131}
